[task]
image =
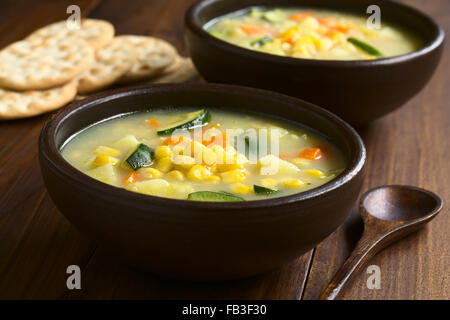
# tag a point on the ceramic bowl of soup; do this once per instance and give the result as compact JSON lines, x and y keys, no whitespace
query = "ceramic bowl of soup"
{"x":202,"y":181}
{"x":325,"y":52}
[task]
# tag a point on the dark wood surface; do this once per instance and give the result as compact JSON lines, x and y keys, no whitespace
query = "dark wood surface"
{"x":409,"y":146}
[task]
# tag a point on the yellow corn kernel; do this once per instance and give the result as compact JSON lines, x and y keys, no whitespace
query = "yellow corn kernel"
{"x":162,"y":152}
{"x":175,"y":174}
{"x":290,"y":33}
{"x":164,"y":164}
{"x":209,"y":157}
{"x":293,"y":183}
{"x":102,"y":159}
{"x":196,"y":147}
{"x":310,"y":22}
{"x":222,"y":157}
{"x":149,"y":173}
{"x":315,"y":173}
{"x":230,"y":162}
{"x":107,"y":151}
{"x":240,"y":188}
{"x":233,"y":176}
{"x":177,"y":150}
{"x":323,"y":44}
{"x":213,"y":168}
{"x":198,"y":172}
{"x":216,"y":148}
{"x":300,"y":162}
{"x":213,"y":179}
{"x":269,"y":183}
{"x":183,"y":161}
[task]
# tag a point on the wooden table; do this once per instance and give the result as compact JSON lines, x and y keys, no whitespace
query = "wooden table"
{"x":409,"y":146}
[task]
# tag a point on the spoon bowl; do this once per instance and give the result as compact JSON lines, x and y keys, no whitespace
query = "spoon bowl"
{"x":400,"y":203}
{"x":389,"y":214}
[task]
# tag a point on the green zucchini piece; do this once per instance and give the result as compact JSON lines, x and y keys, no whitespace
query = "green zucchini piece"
{"x":263,"y":190}
{"x":250,"y":148}
{"x":189,"y":122}
{"x":210,"y":196}
{"x":273,"y":16}
{"x":261,"y":42}
{"x":255,"y":13}
{"x":141,"y":156}
{"x":217,"y":34}
{"x":364,"y":47}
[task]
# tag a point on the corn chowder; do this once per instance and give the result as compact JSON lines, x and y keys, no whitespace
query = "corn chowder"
{"x":204,"y":155}
{"x":310,"y":34}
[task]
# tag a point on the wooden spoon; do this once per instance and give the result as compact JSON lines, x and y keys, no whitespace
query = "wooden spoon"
{"x":389,"y":213}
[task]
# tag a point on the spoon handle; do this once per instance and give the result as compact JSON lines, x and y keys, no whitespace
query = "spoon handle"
{"x":365,"y":249}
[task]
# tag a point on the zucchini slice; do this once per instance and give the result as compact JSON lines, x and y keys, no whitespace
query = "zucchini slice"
{"x":190,"y":121}
{"x":255,"y":13}
{"x":210,"y":196}
{"x":364,"y":47}
{"x":261,"y":42}
{"x":141,"y":156}
{"x":263,"y":190}
{"x":273,"y":16}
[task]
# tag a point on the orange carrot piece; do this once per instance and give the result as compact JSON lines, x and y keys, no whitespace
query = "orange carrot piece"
{"x":153,"y":123}
{"x":251,"y":30}
{"x":328,"y":22}
{"x":289,"y":40}
{"x":285,"y":156}
{"x":342,"y":29}
{"x":174,"y":140}
{"x":218,"y":139}
{"x":131,"y":178}
{"x":300,"y":16}
{"x":311,"y":154}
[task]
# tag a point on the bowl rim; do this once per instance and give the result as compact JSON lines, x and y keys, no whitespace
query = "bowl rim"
{"x":49,"y":151}
{"x":192,"y":23}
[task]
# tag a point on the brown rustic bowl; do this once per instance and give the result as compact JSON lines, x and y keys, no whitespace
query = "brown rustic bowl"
{"x":359,"y":91}
{"x":199,"y":240}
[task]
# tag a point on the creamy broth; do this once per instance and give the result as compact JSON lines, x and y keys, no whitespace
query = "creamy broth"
{"x":312,"y":34}
{"x":291,"y":160}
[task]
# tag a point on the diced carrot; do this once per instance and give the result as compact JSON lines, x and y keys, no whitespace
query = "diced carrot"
{"x":131,"y":178}
{"x":311,"y":154}
{"x":330,"y":33}
{"x":300,"y":16}
{"x":153,"y":123}
{"x":251,"y":30}
{"x":174,"y":140}
{"x":342,"y":29}
{"x":328,"y":22}
{"x":218,"y":139}
{"x":289,"y":40}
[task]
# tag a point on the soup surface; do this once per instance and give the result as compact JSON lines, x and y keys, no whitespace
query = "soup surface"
{"x":310,"y":34}
{"x":204,"y":155}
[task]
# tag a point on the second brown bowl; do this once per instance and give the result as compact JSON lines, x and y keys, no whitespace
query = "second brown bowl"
{"x":359,"y":91}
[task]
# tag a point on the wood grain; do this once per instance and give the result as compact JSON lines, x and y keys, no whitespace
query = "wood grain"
{"x":410,"y":146}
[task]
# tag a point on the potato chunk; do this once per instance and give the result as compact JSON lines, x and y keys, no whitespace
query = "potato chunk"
{"x":270,"y":165}
{"x":154,"y":187}
{"x":105,"y":173}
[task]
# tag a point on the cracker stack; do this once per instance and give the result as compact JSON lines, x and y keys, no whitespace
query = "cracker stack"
{"x":45,"y":71}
